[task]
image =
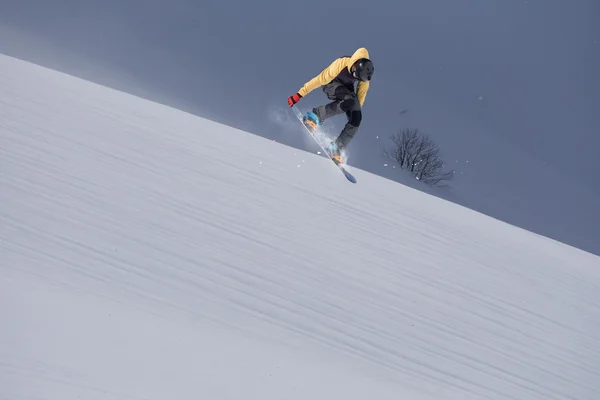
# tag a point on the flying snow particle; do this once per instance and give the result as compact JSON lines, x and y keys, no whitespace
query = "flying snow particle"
{"x":278,"y":115}
{"x":480,"y":98}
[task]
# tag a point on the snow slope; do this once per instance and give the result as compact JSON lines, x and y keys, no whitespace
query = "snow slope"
{"x":150,"y":254}
{"x":496,"y":173}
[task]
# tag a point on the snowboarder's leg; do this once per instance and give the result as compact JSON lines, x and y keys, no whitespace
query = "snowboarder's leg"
{"x":335,"y":91}
{"x":337,"y":148}
{"x":344,"y":101}
{"x":340,"y":95}
{"x":351,"y":127}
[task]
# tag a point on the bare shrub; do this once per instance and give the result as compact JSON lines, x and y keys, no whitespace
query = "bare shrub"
{"x":417,"y":153}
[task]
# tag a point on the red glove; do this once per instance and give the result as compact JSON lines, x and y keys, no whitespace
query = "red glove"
{"x":294,"y":99}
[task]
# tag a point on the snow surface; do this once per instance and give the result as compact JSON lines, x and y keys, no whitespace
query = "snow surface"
{"x":150,"y":254}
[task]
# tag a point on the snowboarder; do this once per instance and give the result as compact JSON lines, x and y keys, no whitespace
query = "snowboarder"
{"x":338,"y":84}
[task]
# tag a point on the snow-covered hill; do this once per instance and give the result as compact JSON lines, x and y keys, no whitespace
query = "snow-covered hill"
{"x":150,"y":254}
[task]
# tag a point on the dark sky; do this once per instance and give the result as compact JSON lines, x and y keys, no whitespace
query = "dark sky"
{"x":471,"y":73}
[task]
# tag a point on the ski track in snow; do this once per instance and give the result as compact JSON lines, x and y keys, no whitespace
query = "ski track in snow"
{"x":198,"y":236}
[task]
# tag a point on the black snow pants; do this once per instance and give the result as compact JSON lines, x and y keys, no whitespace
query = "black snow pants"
{"x":344,"y":101}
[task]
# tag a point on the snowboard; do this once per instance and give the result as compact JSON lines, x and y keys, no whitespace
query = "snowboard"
{"x":341,"y":167}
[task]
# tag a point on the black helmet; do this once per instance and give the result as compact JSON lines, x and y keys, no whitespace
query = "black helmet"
{"x":363,"y":69}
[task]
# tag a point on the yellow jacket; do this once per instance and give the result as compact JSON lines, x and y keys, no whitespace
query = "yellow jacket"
{"x":333,"y":70}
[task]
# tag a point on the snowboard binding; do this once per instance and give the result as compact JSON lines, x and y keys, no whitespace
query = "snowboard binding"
{"x":311,"y":121}
{"x":335,"y":153}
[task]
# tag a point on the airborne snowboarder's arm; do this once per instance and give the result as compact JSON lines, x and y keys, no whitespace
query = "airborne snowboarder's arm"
{"x":326,"y":76}
{"x":361,"y":91}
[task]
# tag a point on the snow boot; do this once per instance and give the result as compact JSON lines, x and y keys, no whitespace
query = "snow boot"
{"x":311,"y":121}
{"x":335,"y":152}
